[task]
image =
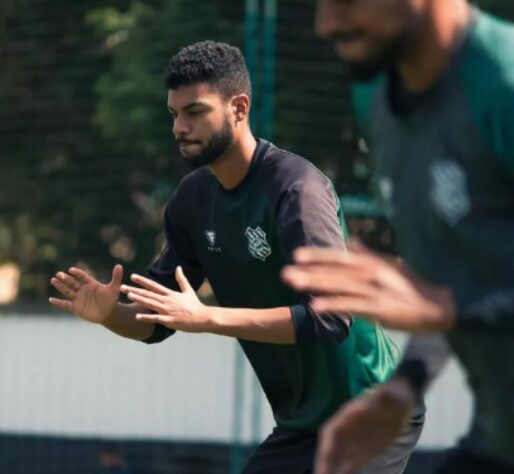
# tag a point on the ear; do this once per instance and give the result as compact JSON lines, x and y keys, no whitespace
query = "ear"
{"x":240,"y":105}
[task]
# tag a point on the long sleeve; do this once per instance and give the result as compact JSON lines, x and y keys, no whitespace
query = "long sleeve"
{"x":179,"y":251}
{"x":308,"y":216}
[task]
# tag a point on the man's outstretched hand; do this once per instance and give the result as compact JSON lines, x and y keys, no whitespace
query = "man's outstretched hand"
{"x":364,"y":428}
{"x":365,"y":283}
{"x":85,"y":296}
{"x":180,"y":310}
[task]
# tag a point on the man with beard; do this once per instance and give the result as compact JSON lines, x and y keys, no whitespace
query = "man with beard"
{"x":438,"y":122}
{"x":236,"y":220}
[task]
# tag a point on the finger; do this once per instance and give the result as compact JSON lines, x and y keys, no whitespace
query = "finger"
{"x":61,"y":304}
{"x":142,"y":292}
{"x":117,"y":276}
{"x":149,"y":284}
{"x":345,"y":304}
{"x":357,"y":257}
{"x":324,"y":463}
{"x":155,"y":318}
{"x":360,"y":265}
{"x":325,"y":279}
{"x":322,"y":466}
{"x":319,"y":255}
{"x":69,"y":281}
{"x":329,"y":304}
{"x":63,"y":288}
{"x":182,"y":281}
{"x":327,"y":454}
{"x":147,"y":302}
{"x":79,"y":274}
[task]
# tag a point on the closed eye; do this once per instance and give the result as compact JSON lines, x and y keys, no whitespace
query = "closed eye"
{"x":195,"y":113}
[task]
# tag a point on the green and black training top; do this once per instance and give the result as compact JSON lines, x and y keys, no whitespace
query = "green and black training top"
{"x":445,"y":173}
{"x":240,"y":240}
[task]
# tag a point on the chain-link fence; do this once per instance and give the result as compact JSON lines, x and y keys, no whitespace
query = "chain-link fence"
{"x":86,"y":165}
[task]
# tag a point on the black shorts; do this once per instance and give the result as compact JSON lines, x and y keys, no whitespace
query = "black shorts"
{"x":462,"y":461}
{"x":292,"y":452}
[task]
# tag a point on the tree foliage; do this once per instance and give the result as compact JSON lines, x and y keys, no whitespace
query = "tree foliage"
{"x":86,"y":155}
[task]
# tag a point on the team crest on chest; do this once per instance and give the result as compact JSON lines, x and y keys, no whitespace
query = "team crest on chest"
{"x":257,"y":243}
{"x":449,"y":192}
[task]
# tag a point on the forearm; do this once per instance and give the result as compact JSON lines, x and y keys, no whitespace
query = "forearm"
{"x":122,"y":321}
{"x":274,"y":325}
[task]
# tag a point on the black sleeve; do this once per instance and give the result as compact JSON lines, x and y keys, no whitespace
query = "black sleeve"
{"x":308,"y":216}
{"x":491,"y":310}
{"x":179,"y":251}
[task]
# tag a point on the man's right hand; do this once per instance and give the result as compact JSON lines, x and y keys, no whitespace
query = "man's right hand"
{"x":364,"y":428}
{"x":85,"y":296}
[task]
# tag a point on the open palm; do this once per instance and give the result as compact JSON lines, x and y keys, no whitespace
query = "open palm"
{"x":85,"y":296}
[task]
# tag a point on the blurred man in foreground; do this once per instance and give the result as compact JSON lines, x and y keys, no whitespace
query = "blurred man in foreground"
{"x":438,"y":119}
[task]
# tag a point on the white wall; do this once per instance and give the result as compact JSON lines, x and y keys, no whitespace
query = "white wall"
{"x":61,"y":376}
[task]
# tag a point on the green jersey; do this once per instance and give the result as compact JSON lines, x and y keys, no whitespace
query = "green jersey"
{"x":240,"y":240}
{"x":445,"y":173}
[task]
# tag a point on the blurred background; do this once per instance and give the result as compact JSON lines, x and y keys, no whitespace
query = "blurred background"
{"x":86,"y":165}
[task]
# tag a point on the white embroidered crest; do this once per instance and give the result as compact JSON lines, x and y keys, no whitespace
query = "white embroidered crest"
{"x":257,"y":243}
{"x":449,"y":192}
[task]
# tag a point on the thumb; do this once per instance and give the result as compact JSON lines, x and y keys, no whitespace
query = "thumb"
{"x":182,"y":281}
{"x":117,"y":276}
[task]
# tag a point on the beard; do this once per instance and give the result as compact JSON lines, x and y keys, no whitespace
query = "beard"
{"x":363,"y":71}
{"x":217,"y":145}
{"x":385,"y":58}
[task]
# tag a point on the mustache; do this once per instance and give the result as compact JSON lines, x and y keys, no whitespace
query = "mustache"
{"x":345,"y":36}
{"x":184,"y":141}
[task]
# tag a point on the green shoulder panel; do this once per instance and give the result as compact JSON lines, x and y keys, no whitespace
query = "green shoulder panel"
{"x":363,"y":94}
{"x":487,"y":75}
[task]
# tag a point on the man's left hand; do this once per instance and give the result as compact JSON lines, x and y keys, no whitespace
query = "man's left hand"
{"x":365,"y":283}
{"x":364,"y":428}
{"x":182,"y":310}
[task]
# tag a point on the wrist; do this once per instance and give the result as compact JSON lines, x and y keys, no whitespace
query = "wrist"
{"x":442,"y":312}
{"x":211,"y":317}
{"x":106,"y":318}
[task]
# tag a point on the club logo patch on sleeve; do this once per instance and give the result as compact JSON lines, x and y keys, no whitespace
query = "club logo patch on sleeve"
{"x":257,"y":243}
{"x":449,"y":193}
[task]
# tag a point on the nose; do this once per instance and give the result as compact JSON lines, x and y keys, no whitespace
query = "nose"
{"x":329,"y":18}
{"x":180,"y":127}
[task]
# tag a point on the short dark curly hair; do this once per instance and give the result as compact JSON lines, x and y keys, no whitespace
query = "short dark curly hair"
{"x":218,"y":64}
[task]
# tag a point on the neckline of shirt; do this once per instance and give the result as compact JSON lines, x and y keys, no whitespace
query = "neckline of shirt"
{"x":414,"y":102}
{"x":257,"y":156}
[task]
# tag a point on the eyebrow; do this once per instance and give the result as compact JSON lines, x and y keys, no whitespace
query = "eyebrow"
{"x":191,"y":105}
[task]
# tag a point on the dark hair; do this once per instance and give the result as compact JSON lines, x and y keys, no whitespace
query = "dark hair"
{"x":218,"y":64}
